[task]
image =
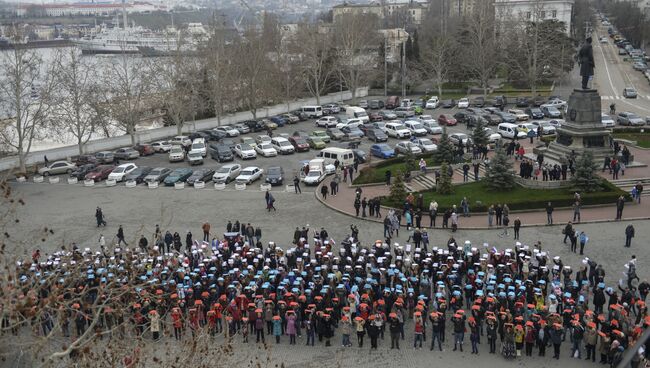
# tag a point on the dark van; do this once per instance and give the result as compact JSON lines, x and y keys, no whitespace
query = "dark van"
{"x":392,"y":102}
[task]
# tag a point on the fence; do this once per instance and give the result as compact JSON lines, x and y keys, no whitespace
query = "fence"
{"x":109,"y":144}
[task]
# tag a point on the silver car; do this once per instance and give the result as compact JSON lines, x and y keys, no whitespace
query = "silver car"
{"x":629,"y":118}
{"x":226,"y":173}
{"x":58,"y":167}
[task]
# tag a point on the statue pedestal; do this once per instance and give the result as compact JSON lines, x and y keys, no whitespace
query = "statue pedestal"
{"x":582,"y":131}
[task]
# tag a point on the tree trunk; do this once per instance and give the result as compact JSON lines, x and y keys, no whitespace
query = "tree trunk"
{"x":179,"y":126}
{"x":80,"y":146}
{"x":22,"y":158}
{"x":132,"y":134}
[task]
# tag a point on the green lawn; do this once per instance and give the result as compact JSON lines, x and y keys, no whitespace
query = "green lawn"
{"x":377,"y":172}
{"x":518,"y":198}
{"x":642,"y":139}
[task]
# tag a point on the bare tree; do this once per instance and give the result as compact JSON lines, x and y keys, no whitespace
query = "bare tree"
{"x":439,"y":53}
{"x":253,"y":71}
{"x":26,"y":86}
{"x":316,"y":54}
{"x":77,"y":109}
{"x":218,"y":73}
{"x":129,"y":81}
{"x":353,"y":36}
{"x":481,"y":46}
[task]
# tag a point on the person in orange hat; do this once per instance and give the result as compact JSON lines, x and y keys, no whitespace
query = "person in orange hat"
{"x":591,"y":339}
{"x":290,"y":329}
{"x":360,"y":328}
{"x":519,"y":339}
{"x":491,"y":331}
{"x":474,"y":334}
{"x":529,"y":337}
{"x":277,"y":328}
{"x":418,"y":329}
{"x":394,"y":326}
{"x":259,"y":326}
{"x":459,"y":330}
{"x":244,"y":331}
{"x":154,"y":324}
{"x":346,"y":328}
{"x":177,"y":322}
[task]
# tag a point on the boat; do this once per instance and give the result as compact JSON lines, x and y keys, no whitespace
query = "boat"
{"x":125,"y":41}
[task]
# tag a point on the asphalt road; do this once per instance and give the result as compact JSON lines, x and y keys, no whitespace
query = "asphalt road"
{"x":613,"y":74}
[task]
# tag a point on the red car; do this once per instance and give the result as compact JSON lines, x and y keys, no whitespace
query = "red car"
{"x":374,"y":116}
{"x":299,"y":143}
{"x":100,"y":172}
{"x":446,"y":119}
{"x":144,"y":149}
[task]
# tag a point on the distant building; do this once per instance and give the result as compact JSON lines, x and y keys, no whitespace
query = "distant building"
{"x":85,"y":8}
{"x":384,"y":9}
{"x":534,"y":10}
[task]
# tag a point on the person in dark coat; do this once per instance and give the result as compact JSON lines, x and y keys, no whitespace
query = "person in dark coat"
{"x":177,"y":241}
{"x":586,"y":62}
{"x":629,"y":234}
{"x":169,"y":239}
{"x":144,"y":243}
{"x":620,"y":204}
{"x":99,"y":216}
{"x":188,"y":241}
{"x":120,"y":236}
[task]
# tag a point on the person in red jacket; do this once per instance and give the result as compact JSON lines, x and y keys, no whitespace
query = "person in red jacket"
{"x":177,"y":321}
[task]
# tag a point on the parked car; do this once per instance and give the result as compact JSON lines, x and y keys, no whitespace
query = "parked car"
{"x":249,"y":175}
{"x":556,"y":102}
{"x":199,"y":146}
{"x":242,"y":128}
{"x":216,"y":135}
{"x":282,"y":145}
{"x":321,"y":134}
{"x":629,"y":92}
{"x":335,"y":133}
{"x":157,"y":175}
{"x":447,"y":120}
{"x":404,"y":112}
{"x":448,"y":104}
{"x":161,"y":146}
{"x":506,"y":117}
{"x":534,"y":113}
{"x":334,"y":108}
{"x":351,"y":133}
{"x":254,"y":126}
{"x":245,"y":151}
{"x":302,"y":116}
{"x":138,"y":174}
{"x":176,"y":154}
{"x":405,"y":147}
{"x":316,"y":142}
{"x":432,"y":103}
{"x":376,"y":135}
{"x":144,"y":149}
{"x":126,"y":153}
{"x":397,"y":130}
{"x":492,"y":119}
{"x":327,"y":122}
{"x":462,"y":116}
{"x":58,"y":167}
{"x":538,"y":101}
{"x":181,"y":140}
{"x":478,"y":101}
{"x":99,"y":173}
{"x":220,"y":152}
{"x":195,"y":158}
{"x":119,"y":173}
{"x":387,"y":115}
{"x":375,"y":116}
{"x":200,"y":135}
{"x":291,"y":118}
{"x":375,"y":104}
{"x":499,"y":101}
{"x":179,"y":175}
{"x":299,"y":143}
{"x":492,"y":136}
{"x":204,"y":174}
{"x":230,"y":131}
{"x":551,"y":112}
{"x":463,"y":103}
{"x":455,"y":138}
{"x":382,"y":150}
{"x":81,"y":171}
{"x":640,"y":66}
{"x":278,"y":120}
{"x":274,"y":175}
{"x":360,"y":155}
{"x":520,"y":115}
{"x":629,"y":118}
{"x":547,"y":128}
{"x":607,"y":121}
{"x":104,"y":157}
{"x":426,"y":145}
{"x":432,"y":127}
{"x":416,"y":128}
{"x":266,"y":150}
{"x":226,"y":173}
{"x":522,"y":101}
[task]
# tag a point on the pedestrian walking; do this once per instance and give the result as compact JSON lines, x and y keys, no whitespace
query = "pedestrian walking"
{"x":583,"y":239}
{"x":296,"y":185}
{"x":549,"y":213}
{"x":324,"y":191}
{"x":516,"y":227}
{"x":387,"y":176}
{"x":334,"y":187}
{"x":120,"y":236}
{"x":99,"y":216}
{"x":144,"y":243}
{"x":568,"y":229}
{"x":206,"y":231}
{"x":270,"y":200}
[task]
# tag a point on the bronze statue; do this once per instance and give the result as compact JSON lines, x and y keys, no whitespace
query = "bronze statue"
{"x":586,"y":62}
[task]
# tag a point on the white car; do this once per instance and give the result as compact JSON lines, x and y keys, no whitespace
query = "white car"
{"x":198,"y":145}
{"x":607,"y":121}
{"x":556,"y":122}
{"x":426,"y":145}
{"x":263,"y":138}
{"x":249,"y":141}
{"x":406,"y":146}
{"x":557,"y":103}
{"x":397,"y":130}
{"x":248,"y":175}
{"x":431,"y":124}
{"x":463,"y":103}
{"x":327,"y":122}
{"x":180,"y":140}
{"x":416,"y":128}
{"x":177,"y":153}
{"x":121,"y":171}
{"x":526,"y":127}
{"x":547,"y":128}
{"x":432,"y":103}
{"x":226,"y":173}
{"x":230,"y":131}
{"x":282,"y":145}
{"x":519,"y":114}
{"x":492,"y":136}
{"x":161,"y":146}
{"x":266,"y":150}
{"x":350,"y":123}
{"x":195,"y":157}
{"x":244,"y":151}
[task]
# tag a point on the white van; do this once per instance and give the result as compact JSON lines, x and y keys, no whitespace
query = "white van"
{"x":313,"y":112}
{"x":507,"y":130}
{"x":416,"y":128}
{"x":331,"y":154}
{"x":282,"y":145}
{"x":357,"y":112}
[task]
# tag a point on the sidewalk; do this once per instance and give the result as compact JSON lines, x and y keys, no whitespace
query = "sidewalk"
{"x":343,"y":202}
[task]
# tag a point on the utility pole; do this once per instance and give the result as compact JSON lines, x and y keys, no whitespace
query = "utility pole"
{"x":403,"y":69}
{"x":386,"y":65}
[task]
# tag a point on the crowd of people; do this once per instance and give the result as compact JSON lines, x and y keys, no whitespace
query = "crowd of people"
{"x":517,"y":301}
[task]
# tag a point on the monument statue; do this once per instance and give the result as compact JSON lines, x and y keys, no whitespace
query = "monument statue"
{"x":586,"y":62}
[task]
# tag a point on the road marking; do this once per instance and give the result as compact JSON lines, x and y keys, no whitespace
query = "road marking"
{"x":609,"y":77}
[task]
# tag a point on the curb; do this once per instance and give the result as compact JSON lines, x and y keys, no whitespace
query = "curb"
{"x":371,"y":219}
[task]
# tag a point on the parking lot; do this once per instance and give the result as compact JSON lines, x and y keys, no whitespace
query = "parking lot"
{"x":291,"y":163}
